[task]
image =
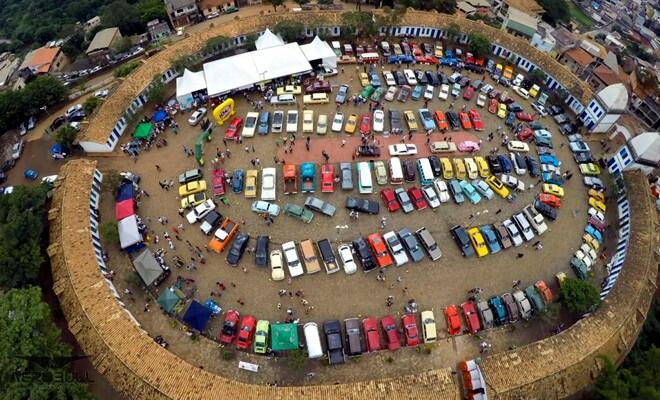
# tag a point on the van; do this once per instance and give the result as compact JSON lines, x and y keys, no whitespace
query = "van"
{"x":313,"y":340}
{"x":316,"y":98}
{"x":425,"y":172}
{"x":459,"y":166}
{"x":365,"y":185}
{"x":309,"y":257}
{"x":285,"y":98}
{"x":369,"y":58}
{"x":429,"y":243}
{"x":328,"y":256}
{"x":447,"y":170}
{"x":396,"y":172}
{"x":354,"y":345}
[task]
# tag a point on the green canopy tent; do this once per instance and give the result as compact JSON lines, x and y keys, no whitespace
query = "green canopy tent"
{"x":142,"y":131}
{"x":168,"y":300}
{"x":283,"y":337}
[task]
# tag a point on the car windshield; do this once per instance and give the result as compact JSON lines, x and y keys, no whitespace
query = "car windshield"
{"x":250,"y":121}
{"x":291,"y":118}
{"x":277,"y":117}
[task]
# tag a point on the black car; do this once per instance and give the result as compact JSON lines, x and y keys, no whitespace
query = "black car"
{"x":555,"y":110}
{"x":400,"y":78}
{"x":532,"y":166}
{"x":433,"y":78}
{"x":514,"y":107}
{"x":57,"y":122}
{"x":582,"y":157}
{"x":332,"y":330}
{"x":544,"y":150}
{"x":76,"y":117}
{"x":364,"y":254}
{"x":520,"y":160}
{"x":443,"y":78}
{"x":452,"y":118}
{"x":261,"y":251}
{"x":368,"y":150}
{"x":237,"y":248}
{"x":362,"y":205}
{"x":494,"y":163}
{"x":435,"y":165}
{"x":566,"y":129}
{"x":546,"y":210}
{"x":464,"y":81}
{"x":421,"y":77}
{"x":462,"y":240}
{"x":395,"y":121}
{"x":427,"y":49}
{"x":7,"y":165}
{"x":409,"y":170}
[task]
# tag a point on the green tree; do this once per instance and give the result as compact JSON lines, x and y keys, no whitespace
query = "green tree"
{"x":110,"y":233}
{"x":276,"y":3}
{"x":289,"y":30}
{"x":453,"y":31}
{"x":326,"y":2}
{"x":578,"y":296}
{"x":125,"y":69}
{"x":479,"y":44}
{"x":641,"y":381}
{"x":358,"y":23}
{"x":443,"y":6}
{"x":66,"y":136}
{"x":296,"y":359}
{"x":73,"y":47}
{"x":32,"y":351}
{"x":537,"y":76}
{"x":215,"y":43}
{"x":90,"y":104}
{"x":122,"y":15}
{"x":121,"y":45}
{"x":157,"y":91}
{"x":182,"y":62}
{"x":42,"y":91}
{"x":250,"y":41}
{"x":556,"y":10}
{"x":150,"y":10}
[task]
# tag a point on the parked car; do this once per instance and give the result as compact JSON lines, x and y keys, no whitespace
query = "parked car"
{"x":362,"y":205}
{"x":196,"y":116}
{"x":318,"y":205}
{"x":391,"y":332}
{"x":453,"y":322}
{"x":298,"y":212}
{"x":346,"y":255}
{"x":471,"y":317}
{"x":462,"y":240}
{"x":229,"y":327}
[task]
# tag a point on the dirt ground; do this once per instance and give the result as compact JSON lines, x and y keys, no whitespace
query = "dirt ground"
{"x":433,"y":285}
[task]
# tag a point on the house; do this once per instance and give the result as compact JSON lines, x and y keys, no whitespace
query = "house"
{"x":640,"y":152}
{"x":603,"y":76}
{"x":520,"y":23}
{"x":209,"y":8}
{"x":543,"y":39}
{"x":102,"y":43}
{"x":645,"y":102}
{"x":8,"y":65}
{"x":564,"y":40}
{"x":92,"y":23}
{"x":44,"y":60}
{"x":605,"y":108}
{"x":158,"y":30}
{"x":576,"y":60}
{"x":182,"y":12}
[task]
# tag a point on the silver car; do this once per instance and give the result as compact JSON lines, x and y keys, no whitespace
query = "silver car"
{"x":396,"y":248}
{"x":346,"y":176}
{"x":514,"y":233}
{"x":524,"y":307}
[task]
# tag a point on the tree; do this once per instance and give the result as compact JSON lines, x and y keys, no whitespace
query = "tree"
{"x":157,"y":91}
{"x":42,"y":91}
{"x":73,"y":47}
{"x":121,"y":45}
{"x":556,"y":10}
{"x":325,"y":2}
{"x":66,"y":136}
{"x":32,"y":354}
{"x":250,"y":41}
{"x":90,"y":104}
{"x":182,"y":62}
{"x":640,"y":381}
{"x":276,"y":3}
{"x":358,"y":23}
{"x":150,"y":10}
{"x":110,"y":233}
{"x":443,"y":6}
{"x":479,"y":44}
{"x":537,"y":76}
{"x":296,"y":359}
{"x":289,"y":30}
{"x":124,"y":16}
{"x":453,"y":30}
{"x":578,"y":296}
{"x":215,"y":43}
{"x":125,"y":69}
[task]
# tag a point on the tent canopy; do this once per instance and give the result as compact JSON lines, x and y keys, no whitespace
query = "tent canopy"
{"x":318,"y":49}
{"x":124,"y":208}
{"x":268,"y":39}
{"x":158,"y":116}
{"x":168,"y":299}
{"x":147,"y":267}
{"x":125,"y":191}
{"x":190,"y":82}
{"x":128,"y":232}
{"x":143,"y":130}
{"x":284,"y":337}
{"x":197,"y":316}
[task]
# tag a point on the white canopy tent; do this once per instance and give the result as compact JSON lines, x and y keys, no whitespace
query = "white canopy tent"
{"x":317,"y":50}
{"x":147,"y":267}
{"x":128,"y":232}
{"x":187,"y":84}
{"x":268,"y":39}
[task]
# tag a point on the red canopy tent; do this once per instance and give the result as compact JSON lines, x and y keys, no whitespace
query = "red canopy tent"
{"x":124,"y":208}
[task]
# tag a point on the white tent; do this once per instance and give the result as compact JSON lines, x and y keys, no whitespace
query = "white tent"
{"x":128,"y":232}
{"x":276,"y":62}
{"x":320,"y":50}
{"x":188,"y":83}
{"x":268,"y":39}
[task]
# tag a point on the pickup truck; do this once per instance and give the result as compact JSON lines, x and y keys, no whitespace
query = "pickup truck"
{"x":223,"y":236}
{"x":332,"y":330}
{"x":290,"y":179}
{"x":307,"y":184}
{"x":328,"y":256}
{"x":211,"y":220}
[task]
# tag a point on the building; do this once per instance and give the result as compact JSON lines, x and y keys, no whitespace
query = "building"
{"x":640,"y":152}
{"x":577,"y":60}
{"x":103,"y":42}
{"x":605,"y":108}
{"x":213,"y":7}
{"x":44,"y":60}
{"x":646,"y":108}
{"x":564,"y":41}
{"x":182,"y":12}
{"x":158,"y":30}
{"x":92,"y":23}
{"x":543,"y":39}
{"x":603,"y":76}
{"x":530,"y":7}
{"x":520,"y":23}
{"x":8,"y":65}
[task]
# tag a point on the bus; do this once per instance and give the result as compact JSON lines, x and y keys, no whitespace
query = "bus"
{"x":396,"y":172}
{"x":425,"y":172}
{"x":369,"y":58}
{"x":365,"y":185}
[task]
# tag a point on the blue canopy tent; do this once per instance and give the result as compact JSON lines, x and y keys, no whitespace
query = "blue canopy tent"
{"x":125,"y":191}
{"x":158,"y":116}
{"x":196,"y":316}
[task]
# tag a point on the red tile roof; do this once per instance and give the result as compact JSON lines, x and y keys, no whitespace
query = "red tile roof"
{"x":579,"y":56}
{"x":41,"y":59}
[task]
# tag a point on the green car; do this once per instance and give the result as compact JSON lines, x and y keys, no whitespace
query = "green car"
{"x":535,"y":299}
{"x":261,"y":336}
{"x":367,"y":91}
{"x":377,"y":94}
{"x":298,"y":212}
{"x":579,"y":267}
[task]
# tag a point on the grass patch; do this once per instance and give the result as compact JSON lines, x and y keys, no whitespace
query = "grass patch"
{"x":578,"y":16}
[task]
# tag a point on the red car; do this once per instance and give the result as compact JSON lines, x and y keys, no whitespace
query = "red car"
{"x":415,"y":49}
{"x":234,"y":127}
{"x":387,"y":195}
{"x":476,"y":120}
{"x":372,"y":338}
{"x":524,"y":134}
{"x":388,"y":325}
{"x":228,"y":331}
{"x":327,"y":178}
{"x":410,"y":332}
{"x":245,"y":333}
{"x":431,"y":60}
{"x":523,"y":116}
{"x":453,"y":322}
{"x":467,"y":95}
{"x":471,"y":317}
{"x":420,"y":59}
{"x":440,"y":120}
{"x":550,"y":199}
{"x":479,"y":61}
{"x":465,"y":120}
{"x":318,"y":87}
{"x":383,"y":257}
{"x":469,"y":58}
{"x":416,"y":198}
{"x":365,"y":124}
{"x":492,"y":106}
{"x":598,"y":224}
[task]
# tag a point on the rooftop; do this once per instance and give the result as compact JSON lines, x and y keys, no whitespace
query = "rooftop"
{"x":526,"y":23}
{"x":528,"y":6}
{"x":103,"y":39}
{"x":563,"y":36}
{"x":580,"y":56}
{"x":40,"y":60}
{"x":614,"y":98}
{"x":606,"y":75}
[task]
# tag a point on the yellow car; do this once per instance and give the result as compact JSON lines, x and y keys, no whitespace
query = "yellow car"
{"x":497,"y":186}
{"x":471,"y":168}
{"x":591,"y":241}
{"x":589,"y":169}
{"x":447,"y":170}
{"x":482,"y":165}
{"x":251,"y":183}
{"x":193,"y":200}
{"x":192,"y":188}
{"x":598,"y":205}
{"x":597,"y":195}
{"x":478,"y":242}
{"x":364,"y":79}
{"x":410,"y":120}
{"x":351,"y":123}
{"x":289,"y":89}
{"x":459,"y":166}
{"x":501,"y":110}
{"x":553,"y":189}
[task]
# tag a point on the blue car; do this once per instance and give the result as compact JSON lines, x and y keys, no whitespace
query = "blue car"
{"x":342,"y":93}
{"x":393,"y":59}
{"x":237,"y":179}
{"x":549,"y":159}
{"x":470,"y":192}
{"x":456,"y":191}
{"x":417,"y":92}
{"x":262,"y":125}
{"x":510,"y":118}
{"x":426,"y":119}
{"x":495,"y":304}
{"x":30,"y":174}
{"x":505,"y":163}
{"x":542,"y":141}
{"x":491,"y":239}
{"x":553,"y":178}
{"x":375,"y":80}
{"x":595,"y":233}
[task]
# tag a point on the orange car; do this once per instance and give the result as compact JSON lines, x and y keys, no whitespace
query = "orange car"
{"x":465,"y":120}
{"x":549,"y":199}
{"x":544,"y":291}
{"x":383,"y":258}
{"x":223,"y":236}
{"x":453,"y":322}
{"x":440,"y":120}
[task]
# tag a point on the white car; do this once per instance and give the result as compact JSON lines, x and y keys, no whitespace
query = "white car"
{"x":391,"y":93}
{"x":431,"y":196}
{"x":74,"y":109}
{"x":250,"y":124}
{"x":485,"y":89}
{"x":596,"y":214}
{"x":261,"y":207}
{"x":268,"y":189}
{"x":276,"y":265}
{"x":588,"y":250}
{"x":292,"y":121}
{"x":17,"y":149}
{"x":519,"y":169}
{"x":539,"y":109}
{"x":550,"y":168}
{"x":347,"y":260}
{"x":379,"y":121}
{"x":308,"y":121}
{"x":586,"y":259}
{"x":410,"y":77}
{"x":389,"y":78}
{"x":292,"y":260}
{"x":196,"y":116}
{"x":338,"y":121}
{"x":401,"y":149}
{"x":517,"y":80}
{"x":516,"y":145}
{"x":200,"y":211}
{"x":428,"y":92}
{"x":514,"y":233}
{"x":102,"y":94}
{"x":396,"y":248}
{"x":322,"y":124}
{"x":481,"y":100}
{"x":521,"y":92}
{"x":512,"y":182}
{"x":471,"y":168}
{"x":535,"y":219}
{"x":276,"y":125}
{"x":444,"y":92}
{"x":442,"y":189}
